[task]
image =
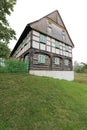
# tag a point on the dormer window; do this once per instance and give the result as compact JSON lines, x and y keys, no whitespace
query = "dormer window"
{"x":57,"y":44}
{"x":43,"y":38}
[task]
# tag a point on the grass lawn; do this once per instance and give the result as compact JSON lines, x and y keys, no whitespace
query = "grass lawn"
{"x":39,"y":103}
{"x":80,"y":77}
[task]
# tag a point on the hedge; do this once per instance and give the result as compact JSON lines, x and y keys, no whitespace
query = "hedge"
{"x":14,"y":66}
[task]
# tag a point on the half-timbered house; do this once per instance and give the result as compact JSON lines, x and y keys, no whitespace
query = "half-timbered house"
{"x":46,"y":45}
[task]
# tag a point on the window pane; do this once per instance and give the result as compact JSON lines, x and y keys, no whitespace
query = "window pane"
{"x":66,"y":47}
{"x":43,"y":38}
{"x":57,"y":61}
{"x":57,"y":45}
{"x":41,"y":58}
{"x":66,"y":62}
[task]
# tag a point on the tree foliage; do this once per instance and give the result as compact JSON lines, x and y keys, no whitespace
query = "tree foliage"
{"x":4,"y":50}
{"x":6,"y":32}
{"x":80,"y":67}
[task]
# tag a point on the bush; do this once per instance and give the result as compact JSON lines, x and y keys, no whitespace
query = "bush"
{"x":14,"y":66}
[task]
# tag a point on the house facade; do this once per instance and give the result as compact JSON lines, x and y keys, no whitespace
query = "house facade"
{"x":46,"y":45}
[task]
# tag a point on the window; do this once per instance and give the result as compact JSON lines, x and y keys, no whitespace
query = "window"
{"x":41,"y":58}
{"x":66,"y":48}
{"x":57,"y":44}
{"x":66,"y":62}
{"x":43,"y":38}
{"x":49,"y":24}
{"x":57,"y":60}
{"x":63,"y":35}
{"x":49,"y":29}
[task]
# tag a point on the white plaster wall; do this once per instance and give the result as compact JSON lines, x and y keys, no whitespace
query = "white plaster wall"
{"x":48,"y":48}
{"x":35,"y":44}
{"x":67,"y":75}
{"x":35,"y":33}
{"x":42,"y":46}
{"x":53,"y":49}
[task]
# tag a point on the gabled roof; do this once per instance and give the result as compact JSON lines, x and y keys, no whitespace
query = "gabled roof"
{"x":41,"y":26}
{"x":54,"y":17}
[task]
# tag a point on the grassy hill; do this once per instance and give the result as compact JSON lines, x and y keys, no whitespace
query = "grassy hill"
{"x":39,"y":103}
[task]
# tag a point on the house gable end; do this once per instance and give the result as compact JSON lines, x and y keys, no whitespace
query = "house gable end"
{"x":57,"y":30}
{"x":56,"y":18}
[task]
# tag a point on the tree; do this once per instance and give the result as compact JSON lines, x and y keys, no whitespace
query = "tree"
{"x":6,"y":32}
{"x":4,"y":50}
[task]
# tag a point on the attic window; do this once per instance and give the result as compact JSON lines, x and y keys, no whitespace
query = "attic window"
{"x":49,"y":29}
{"x":43,"y":38}
{"x":49,"y":24}
{"x":63,"y":35}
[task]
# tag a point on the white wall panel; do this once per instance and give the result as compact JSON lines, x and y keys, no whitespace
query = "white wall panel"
{"x":57,"y":51}
{"x":48,"y":43}
{"x":60,"y":52}
{"x":36,"y":38}
{"x":53,"y":40}
{"x":63,"y":53}
{"x":53,"y":44}
{"x":36,"y":33}
{"x":42,"y":46}
{"x":53,"y":49}
{"x":48,"y":38}
{"x":60,"y":47}
{"x":35,"y":44}
{"x":48,"y":48}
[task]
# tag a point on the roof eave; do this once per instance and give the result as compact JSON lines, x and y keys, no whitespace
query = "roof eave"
{"x":23,"y":35}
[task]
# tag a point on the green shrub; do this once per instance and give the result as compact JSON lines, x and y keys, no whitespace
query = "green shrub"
{"x":14,"y":66}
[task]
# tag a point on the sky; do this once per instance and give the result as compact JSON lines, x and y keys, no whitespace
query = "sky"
{"x":73,"y":13}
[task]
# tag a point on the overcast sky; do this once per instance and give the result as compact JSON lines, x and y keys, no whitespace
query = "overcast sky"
{"x":73,"y":13}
